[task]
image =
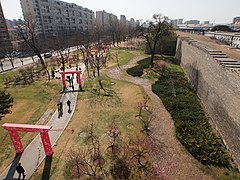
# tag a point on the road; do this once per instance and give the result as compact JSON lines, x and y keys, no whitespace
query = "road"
{"x":26,"y":61}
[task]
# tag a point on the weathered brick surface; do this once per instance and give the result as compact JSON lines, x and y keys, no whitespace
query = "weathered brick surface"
{"x":218,"y":89}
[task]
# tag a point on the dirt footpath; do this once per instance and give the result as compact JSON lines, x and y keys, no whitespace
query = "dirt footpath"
{"x":174,"y":158}
{"x":231,"y":52}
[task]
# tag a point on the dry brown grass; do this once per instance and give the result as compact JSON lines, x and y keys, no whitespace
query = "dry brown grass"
{"x":123,"y":113}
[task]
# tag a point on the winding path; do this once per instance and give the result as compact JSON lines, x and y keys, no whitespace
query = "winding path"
{"x":176,"y":161}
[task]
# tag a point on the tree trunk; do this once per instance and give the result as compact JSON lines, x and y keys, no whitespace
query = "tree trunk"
{"x":87,"y":66}
{"x":152,"y":59}
{"x":12,"y":64}
{"x":63,"y":63}
{"x":99,"y":78}
{"x":43,"y":65}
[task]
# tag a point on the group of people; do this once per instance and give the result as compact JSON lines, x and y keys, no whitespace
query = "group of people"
{"x":70,"y":80}
{"x":60,"y":108}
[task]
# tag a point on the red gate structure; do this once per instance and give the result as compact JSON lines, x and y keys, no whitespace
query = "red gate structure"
{"x":13,"y":130}
{"x":71,"y":72}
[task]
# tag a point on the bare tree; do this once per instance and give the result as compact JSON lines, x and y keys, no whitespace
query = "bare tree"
{"x":153,"y":31}
{"x":61,"y":43}
{"x":88,"y":162}
{"x":28,"y":32}
{"x":98,"y":32}
{"x":10,"y":56}
{"x":113,"y":29}
{"x":98,"y":60}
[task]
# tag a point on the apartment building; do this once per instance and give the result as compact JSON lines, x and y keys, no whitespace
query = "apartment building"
{"x":53,"y":16}
{"x":102,"y":19}
{"x":106,"y":20}
{"x":123,"y":20}
{"x":236,"y":20}
{"x":4,"y":36}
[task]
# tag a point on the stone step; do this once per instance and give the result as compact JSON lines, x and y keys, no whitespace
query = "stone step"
{"x":220,"y":56}
{"x":234,"y":69}
{"x":229,"y":63}
{"x":225,"y":60}
{"x":217,"y":53}
{"x":214,"y":51}
{"x":232,"y":66}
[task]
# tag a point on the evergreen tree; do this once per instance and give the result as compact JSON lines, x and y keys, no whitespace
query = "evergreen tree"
{"x":5,"y":103}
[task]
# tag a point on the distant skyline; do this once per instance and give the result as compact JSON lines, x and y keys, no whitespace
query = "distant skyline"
{"x":215,"y":11}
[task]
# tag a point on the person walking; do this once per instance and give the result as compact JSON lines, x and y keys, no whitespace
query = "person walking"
{"x":69,"y":104}
{"x":60,"y":109}
{"x":1,"y":64}
{"x":20,"y":171}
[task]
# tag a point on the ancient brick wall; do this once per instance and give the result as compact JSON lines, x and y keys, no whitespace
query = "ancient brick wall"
{"x":217,"y":86}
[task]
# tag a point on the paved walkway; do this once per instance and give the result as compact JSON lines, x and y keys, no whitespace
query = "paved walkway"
{"x":175,"y":161}
{"x":34,"y":154}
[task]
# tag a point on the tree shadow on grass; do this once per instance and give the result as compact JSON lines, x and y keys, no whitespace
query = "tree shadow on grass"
{"x":104,"y":98}
{"x":47,"y":168}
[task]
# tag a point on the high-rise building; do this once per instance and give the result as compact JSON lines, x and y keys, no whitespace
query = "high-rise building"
{"x":236,"y":20}
{"x":105,"y":20}
{"x":176,"y":22}
{"x":123,"y":20}
{"x":192,"y":22}
{"x":53,"y":16}
{"x":180,"y":21}
{"x":4,"y":36}
{"x":206,"y":22}
{"x":102,"y":19}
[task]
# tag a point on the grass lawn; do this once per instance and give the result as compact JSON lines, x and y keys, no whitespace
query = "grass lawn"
{"x":101,"y":112}
{"x":123,"y":57}
{"x":30,"y":102}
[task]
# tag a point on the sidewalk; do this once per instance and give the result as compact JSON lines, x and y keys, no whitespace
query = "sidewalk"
{"x":34,"y":153}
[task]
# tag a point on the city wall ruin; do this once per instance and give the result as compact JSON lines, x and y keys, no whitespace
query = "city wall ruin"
{"x":216,"y":80}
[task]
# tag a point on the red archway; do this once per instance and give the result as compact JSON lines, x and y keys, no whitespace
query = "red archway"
{"x":13,"y":130}
{"x":71,"y":72}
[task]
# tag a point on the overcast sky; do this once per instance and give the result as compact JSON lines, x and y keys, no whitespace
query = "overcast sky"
{"x":216,"y":11}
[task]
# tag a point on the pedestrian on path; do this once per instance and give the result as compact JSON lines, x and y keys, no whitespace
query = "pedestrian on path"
{"x":71,"y":81}
{"x":20,"y":171}
{"x":1,"y":64}
{"x":60,"y":109}
{"x":69,"y":103}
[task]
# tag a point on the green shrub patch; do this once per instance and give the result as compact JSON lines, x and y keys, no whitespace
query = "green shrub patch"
{"x":138,"y":70}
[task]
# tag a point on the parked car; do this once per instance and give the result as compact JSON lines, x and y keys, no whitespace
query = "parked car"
{"x":47,"y":54}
